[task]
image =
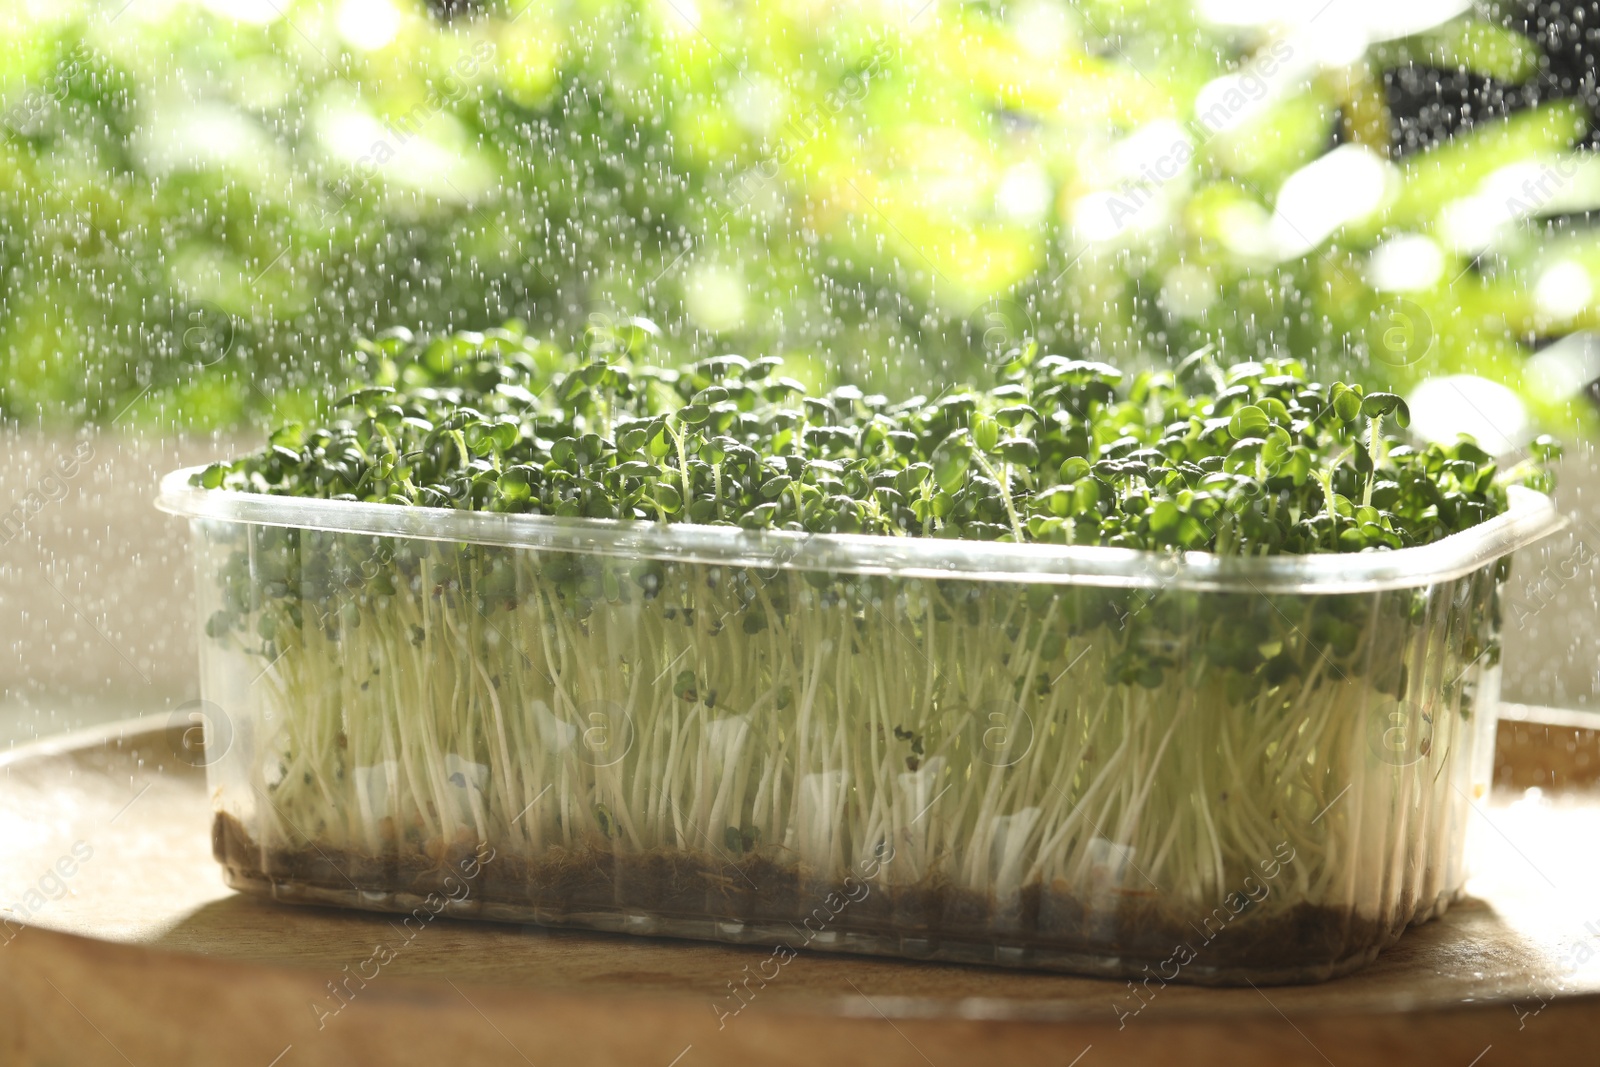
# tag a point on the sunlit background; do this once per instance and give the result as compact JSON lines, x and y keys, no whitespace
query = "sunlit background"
{"x":201,"y":204}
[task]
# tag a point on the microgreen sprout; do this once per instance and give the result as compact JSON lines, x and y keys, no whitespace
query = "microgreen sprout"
{"x":1010,"y":742}
{"x":1062,"y":451}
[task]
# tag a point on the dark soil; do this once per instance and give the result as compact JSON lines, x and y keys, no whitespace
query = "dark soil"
{"x":1139,"y":930}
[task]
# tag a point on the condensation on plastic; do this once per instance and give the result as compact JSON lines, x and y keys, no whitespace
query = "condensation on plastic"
{"x":1084,"y":759}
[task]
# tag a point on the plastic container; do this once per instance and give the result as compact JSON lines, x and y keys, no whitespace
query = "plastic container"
{"x":1083,"y":759}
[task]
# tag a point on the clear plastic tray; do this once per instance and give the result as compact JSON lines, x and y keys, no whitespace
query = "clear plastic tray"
{"x":1173,"y":768}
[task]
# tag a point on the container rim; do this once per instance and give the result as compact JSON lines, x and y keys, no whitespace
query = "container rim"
{"x":1530,"y":516}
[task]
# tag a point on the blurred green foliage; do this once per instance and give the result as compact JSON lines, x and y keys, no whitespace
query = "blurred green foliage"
{"x":200,"y":204}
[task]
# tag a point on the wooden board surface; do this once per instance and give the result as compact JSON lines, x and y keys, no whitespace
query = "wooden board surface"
{"x":120,"y":945}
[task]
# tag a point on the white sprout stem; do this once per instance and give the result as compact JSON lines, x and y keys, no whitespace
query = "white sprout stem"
{"x":856,"y":714}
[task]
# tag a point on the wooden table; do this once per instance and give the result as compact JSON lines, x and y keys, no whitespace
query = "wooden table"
{"x":141,"y":956}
